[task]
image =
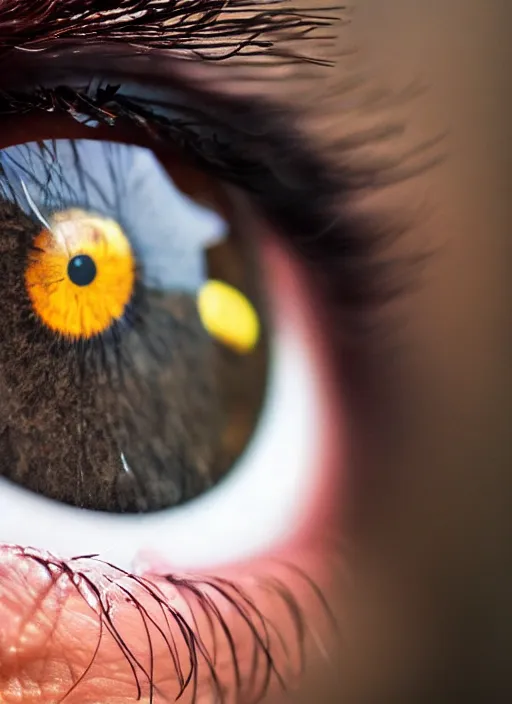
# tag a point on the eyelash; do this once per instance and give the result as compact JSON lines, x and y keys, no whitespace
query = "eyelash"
{"x":241,"y":144}
{"x":118,"y":586}
{"x":235,"y":28}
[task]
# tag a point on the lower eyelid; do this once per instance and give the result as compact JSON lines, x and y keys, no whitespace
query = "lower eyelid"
{"x":76,"y":641}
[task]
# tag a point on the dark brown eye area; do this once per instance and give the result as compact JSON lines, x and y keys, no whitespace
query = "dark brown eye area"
{"x":133,"y":360}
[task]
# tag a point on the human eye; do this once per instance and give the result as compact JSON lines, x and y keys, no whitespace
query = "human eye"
{"x":172,"y":446}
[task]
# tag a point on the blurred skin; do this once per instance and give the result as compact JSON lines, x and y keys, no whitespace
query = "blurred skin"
{"x":427,"y":616}
{"x":432,"y":620}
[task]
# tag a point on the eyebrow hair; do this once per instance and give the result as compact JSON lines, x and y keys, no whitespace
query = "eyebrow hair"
{"x":207,"y":29}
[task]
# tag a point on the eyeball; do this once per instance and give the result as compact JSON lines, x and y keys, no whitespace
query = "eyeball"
{"x":159,"y":385}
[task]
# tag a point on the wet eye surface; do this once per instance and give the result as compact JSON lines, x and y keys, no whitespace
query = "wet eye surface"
{"x":133,"y":360}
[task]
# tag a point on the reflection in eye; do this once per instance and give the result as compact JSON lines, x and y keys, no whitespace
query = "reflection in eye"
{"x":133,"y":357}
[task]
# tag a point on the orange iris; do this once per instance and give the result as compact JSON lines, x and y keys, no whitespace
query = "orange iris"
{"x":81,"y":274}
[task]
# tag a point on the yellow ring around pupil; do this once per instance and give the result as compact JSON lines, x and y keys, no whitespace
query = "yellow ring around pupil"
{"x":88,"y":308}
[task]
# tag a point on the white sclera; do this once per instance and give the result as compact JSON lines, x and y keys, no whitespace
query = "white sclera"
{"x":260,"y":503}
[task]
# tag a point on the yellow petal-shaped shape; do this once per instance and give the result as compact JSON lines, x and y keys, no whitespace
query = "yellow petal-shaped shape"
{"x":229,"y":316}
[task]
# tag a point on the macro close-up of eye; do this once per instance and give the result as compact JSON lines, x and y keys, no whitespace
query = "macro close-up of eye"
{"x":134,"y":358}
{"x":254,"y":408}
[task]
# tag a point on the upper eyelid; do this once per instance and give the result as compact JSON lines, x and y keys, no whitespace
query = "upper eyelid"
{"x":296,"y":186}
{"x":263,"y":131}
{"x":266,"y":124}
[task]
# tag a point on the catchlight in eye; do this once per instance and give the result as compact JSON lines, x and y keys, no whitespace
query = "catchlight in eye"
{"x":134,"y":347}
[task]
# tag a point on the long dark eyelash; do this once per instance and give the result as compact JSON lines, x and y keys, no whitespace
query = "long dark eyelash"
{"x":206,"y":29}
{"x":258,"y":150}
{"x":202,"y":667}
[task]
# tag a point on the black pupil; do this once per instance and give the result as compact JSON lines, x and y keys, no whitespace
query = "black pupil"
{"x":82,"y":270}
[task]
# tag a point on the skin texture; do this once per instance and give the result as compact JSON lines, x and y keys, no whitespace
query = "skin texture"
{"x":425,"y":614}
